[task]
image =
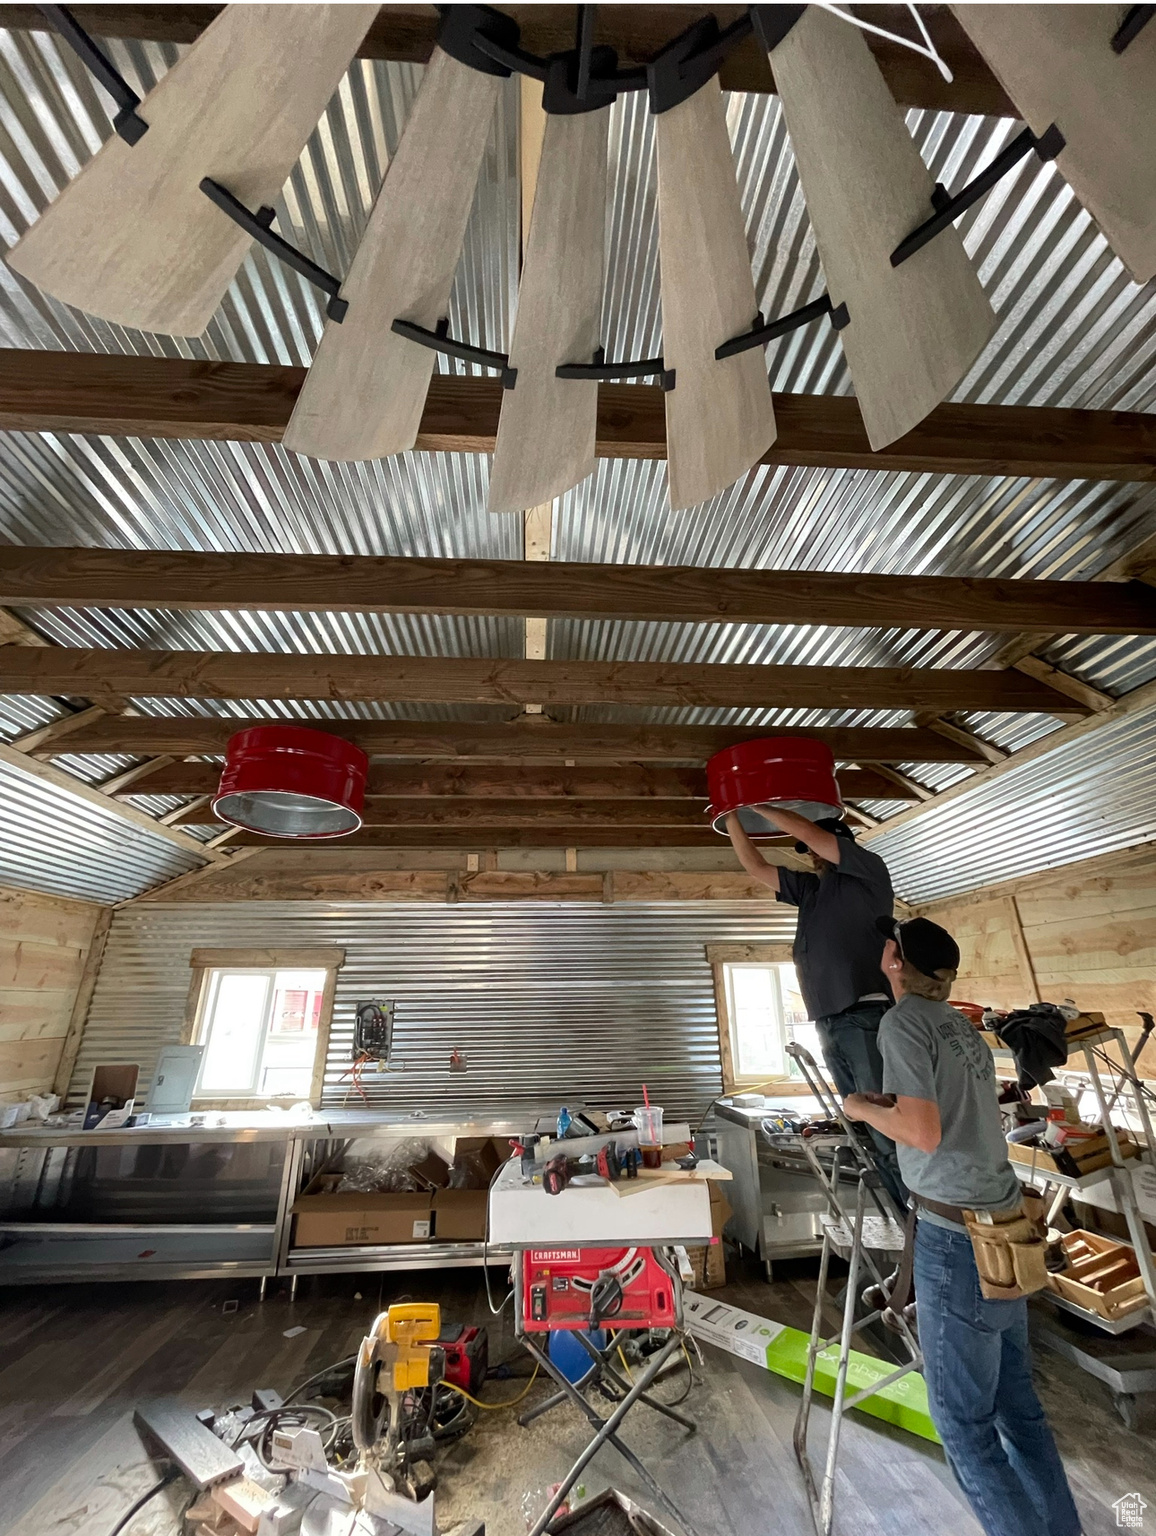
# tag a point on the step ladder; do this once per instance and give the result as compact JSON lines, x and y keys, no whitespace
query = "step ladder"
{"x":861,"y":1222}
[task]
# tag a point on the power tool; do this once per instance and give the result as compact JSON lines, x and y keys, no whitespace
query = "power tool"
{"x":611,"y":1162}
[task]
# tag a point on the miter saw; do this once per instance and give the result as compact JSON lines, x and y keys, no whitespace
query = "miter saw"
{"x":398,"y":1411}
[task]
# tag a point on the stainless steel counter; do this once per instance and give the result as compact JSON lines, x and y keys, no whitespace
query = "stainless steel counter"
{"x":241,"y":1126}
{"x":196,"y":1201}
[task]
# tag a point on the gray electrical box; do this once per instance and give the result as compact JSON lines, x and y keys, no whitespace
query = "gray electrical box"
{"x":175,"y":1078}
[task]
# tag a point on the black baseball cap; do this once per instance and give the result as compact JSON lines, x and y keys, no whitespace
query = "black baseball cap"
{"x":833,"y":824}
{"x":922,"y":943}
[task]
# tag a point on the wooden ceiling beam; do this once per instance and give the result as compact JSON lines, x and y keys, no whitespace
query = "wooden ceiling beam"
{"x":406,"y":33}
{"x":470,"y":815}
{"x":184,"y":581}
{"x":491,"y":680}
{"x":558,"y":835}
{"x":539,"y":741}
{"x":43,"y":391}
{"x":631,"y":781}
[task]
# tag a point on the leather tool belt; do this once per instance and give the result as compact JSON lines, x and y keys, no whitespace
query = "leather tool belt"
{"x":1010,"y":1246}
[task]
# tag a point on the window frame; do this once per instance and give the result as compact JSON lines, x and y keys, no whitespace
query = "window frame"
{"x":203,"y":962}
{"x":720,"y":956}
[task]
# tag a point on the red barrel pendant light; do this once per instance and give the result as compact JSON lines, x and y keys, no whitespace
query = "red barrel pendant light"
{"x":289,"y":781}
{"x":794,"y":773}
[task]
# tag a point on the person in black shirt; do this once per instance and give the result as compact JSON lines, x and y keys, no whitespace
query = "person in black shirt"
{"x":837,"y":952}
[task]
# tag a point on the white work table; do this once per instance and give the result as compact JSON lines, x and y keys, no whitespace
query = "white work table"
{"x":588,"y":1213}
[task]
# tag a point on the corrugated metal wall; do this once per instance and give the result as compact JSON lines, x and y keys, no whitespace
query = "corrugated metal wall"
{"x":551,"y":1003}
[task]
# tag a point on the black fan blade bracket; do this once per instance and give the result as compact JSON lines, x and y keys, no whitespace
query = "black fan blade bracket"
{"x":127,"y":123}
{"x":948,"y":207}
{"x":691,"y":59}
{"x":773,"y":22}
{"x":259,"y":226}
{"x":483,"y":39}
{"x":764,"y":331}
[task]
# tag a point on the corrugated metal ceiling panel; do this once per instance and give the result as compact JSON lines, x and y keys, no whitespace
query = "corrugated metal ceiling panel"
{"x":1074,"y":331}
{"x":51,"y":840}
{"x":1089,"y":796}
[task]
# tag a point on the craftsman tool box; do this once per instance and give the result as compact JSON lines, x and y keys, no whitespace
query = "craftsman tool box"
{"x":578,"y":1288}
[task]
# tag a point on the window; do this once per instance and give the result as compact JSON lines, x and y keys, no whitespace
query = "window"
{"x":264,"y":1026}
{"x":766,"y":1013}
{"x":259,"y":1030}
{"x":760,"y":1012}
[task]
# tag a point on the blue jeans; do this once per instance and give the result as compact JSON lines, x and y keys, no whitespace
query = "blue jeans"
{"x":850,"y":1042}
{"x":977,"y":1365}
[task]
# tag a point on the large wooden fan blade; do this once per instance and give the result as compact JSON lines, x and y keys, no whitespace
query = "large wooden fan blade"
{"x":364,"y":394}
{"x":719,"y":416}
{"x":1057,"y":64}
{"x":133,"y":239}
{"x":914,"y":329}
{"x":546,"y":430}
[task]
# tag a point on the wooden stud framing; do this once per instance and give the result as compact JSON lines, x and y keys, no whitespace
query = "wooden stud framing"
{"x":80,"y":1007}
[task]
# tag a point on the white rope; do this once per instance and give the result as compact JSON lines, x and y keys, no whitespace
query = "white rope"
{"x":927,"y":49}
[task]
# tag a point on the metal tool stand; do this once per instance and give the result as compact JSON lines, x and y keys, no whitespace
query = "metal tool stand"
{"x":1127,"y":1373}
{"x":602,"y":1369}
{"x":606,"y":1430}
{"x":855,"y":1233}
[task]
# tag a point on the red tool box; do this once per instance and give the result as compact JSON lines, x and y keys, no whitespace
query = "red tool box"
{"x":580,"y":1288}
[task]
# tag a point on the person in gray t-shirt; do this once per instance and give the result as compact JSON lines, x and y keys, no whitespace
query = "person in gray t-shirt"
{"x":976,"y":1361}
{"x":933,"y":1054}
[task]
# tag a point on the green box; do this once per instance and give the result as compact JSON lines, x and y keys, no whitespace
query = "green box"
{"x":784,"y":1350}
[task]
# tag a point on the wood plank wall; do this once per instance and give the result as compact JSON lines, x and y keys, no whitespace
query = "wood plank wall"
{"x":46,"y":945}
{"x":1085,"y":931}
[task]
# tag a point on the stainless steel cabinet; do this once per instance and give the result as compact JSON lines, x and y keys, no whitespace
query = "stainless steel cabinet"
{"x":777,"y":1200}
{"x":191,"y":1202}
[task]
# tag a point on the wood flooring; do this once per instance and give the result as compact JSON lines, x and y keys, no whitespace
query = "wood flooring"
{"x":75,"y":1360}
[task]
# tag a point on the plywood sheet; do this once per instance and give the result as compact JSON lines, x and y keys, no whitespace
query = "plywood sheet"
{"x":48,"y":919}
{"x":25,"y":964}
{"x":133,"y":239}
{"x":363,"y":395}
{"x":27,"y":1066}
{"x":1057,"y":65}
{"x":719,"y":417}
{"x":547,"y":426}
{"x":915,"y":329}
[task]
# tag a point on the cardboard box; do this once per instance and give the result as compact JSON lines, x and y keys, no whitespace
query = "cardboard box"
{"x":721,"y":1209}
{"x":433,"y":1172}
{"x":352,"y":1219}
{"x":477,"y":1159}
{"x":783,"y":1350}
{"x":1102,"y":1276}
{"x":114,"y":1084}
{"x":460,"y":1215}
{"x":709,"y":1265}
